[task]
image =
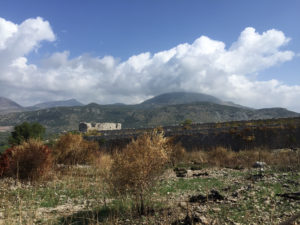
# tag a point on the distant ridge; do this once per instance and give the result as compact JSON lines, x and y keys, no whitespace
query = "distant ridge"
{"x":162,"y":110}
{"x":51,"y":104}
{"x":176,"y":98}
{"x":7,"y":106}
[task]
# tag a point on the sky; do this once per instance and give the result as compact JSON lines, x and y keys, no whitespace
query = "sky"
{"x":126,"y":51}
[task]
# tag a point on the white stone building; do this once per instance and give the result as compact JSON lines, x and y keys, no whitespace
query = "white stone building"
{"x":86,"y":127}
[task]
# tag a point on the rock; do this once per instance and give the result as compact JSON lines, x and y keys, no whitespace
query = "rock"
{"x":267,"y":202}
{"x":293,"y":196}
{"x":194,"y":219}
{"x":204,"y":220}
{"x":196,"y":167}
{"x":198,"y":198}
{"x":186,"y":221}
{"x":291,"y":220}
{"x":255,"y":177}
{"x":180,"y":172}
{"x":200,"y":174}
{"x":259,"y":164}
{"x":180,"y":169}
{"x":235,"y":194}
{"x":216,"y":209}
{"x":292,"y":182}
{"x":198,"y":209}
{"x":182,"y":205}
{"x":213,"y":196}
{"x":232,"y":199}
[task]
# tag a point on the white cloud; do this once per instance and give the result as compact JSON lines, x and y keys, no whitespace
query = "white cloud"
{"x":205,"y":66}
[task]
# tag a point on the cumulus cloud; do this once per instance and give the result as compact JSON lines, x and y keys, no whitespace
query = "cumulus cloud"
{"x":205,"y":66}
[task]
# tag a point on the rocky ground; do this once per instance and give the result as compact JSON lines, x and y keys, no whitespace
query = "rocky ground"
{"x":241,"y":197}
{"x":189,"y":194}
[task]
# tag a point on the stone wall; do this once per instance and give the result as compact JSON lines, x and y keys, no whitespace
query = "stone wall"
{"x":86,"y":127}
{"x":270,"y":134}
{"x":6,"y":128}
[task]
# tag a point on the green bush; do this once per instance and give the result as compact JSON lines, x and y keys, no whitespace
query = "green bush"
{"x":26,"y":131}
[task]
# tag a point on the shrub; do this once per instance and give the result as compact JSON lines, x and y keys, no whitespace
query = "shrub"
{"x":29,"y":161}
{"x":4,"y":161}
{"x":72,"y":149}
{"x":135,"y":170}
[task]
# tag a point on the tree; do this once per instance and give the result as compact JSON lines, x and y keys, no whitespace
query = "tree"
{"x":187,"y":123}
{"x":26,"y":131}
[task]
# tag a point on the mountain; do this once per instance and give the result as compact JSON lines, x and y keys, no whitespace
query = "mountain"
{"x":175,"y":98}
{"x":65,"y":103}
{"x":7,"y":106}
{"x":141,"y":115}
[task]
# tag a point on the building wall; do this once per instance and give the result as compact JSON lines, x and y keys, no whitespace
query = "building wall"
{"x":85,"y":127}
{"x":6,"y":128}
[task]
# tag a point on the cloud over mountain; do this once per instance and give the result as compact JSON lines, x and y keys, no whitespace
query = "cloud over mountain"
{"x":205,"y":66}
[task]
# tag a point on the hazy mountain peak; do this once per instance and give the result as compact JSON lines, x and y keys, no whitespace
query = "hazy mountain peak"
{"x":175,"y":98}
{"x":7,"y":105}
{"x":63,"y":103}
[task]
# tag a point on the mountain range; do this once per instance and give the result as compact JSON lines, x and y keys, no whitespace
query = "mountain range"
{"x":162,"y":110}
{"x":9,"y":106}
{"x":52,"y":104}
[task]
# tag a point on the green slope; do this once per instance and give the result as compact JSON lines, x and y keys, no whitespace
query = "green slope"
{"x":135,"y":116}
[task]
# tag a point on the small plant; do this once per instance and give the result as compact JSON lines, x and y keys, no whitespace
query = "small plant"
{"x":187,"y":124}
{"x":135,"y":170}
{"x":29,"y":161}
{"x":72,"y":149}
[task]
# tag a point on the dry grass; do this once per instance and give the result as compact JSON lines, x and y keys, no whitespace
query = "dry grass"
{"x":72,"y":189}
{"x":222,"y":157}
{"x":82,"y":194}
{"x":178,"y":154}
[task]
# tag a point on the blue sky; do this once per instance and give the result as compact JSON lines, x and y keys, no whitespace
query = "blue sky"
{"x":122,"y":29}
